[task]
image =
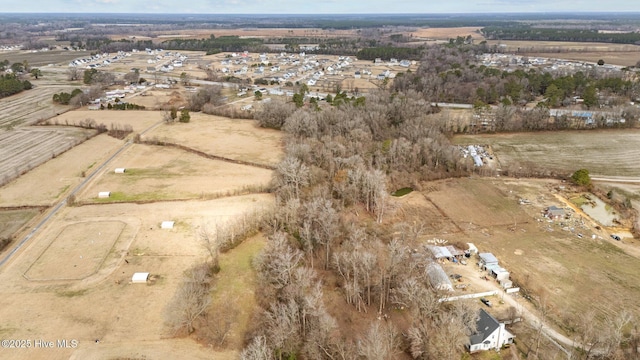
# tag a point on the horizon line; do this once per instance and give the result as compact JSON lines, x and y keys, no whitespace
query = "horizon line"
{"x":334,"y":13}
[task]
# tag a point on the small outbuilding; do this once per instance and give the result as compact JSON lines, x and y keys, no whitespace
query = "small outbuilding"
{"x":455,"y":252}
{"x":498,"y":272}
{"x":438,"y":278}
{"x":167,"y":224}
{"x":472,"y":248}
{"x":104,"y":194}
{"x":487,"y":260}
{"x":140,"y":278}
{"x":120,"y":170}
{"x":439,"y":252}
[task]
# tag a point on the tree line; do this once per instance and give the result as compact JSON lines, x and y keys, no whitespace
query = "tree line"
{"x":451,"y":74}
{"x":558,"y":34}
{"x":11,"y":84}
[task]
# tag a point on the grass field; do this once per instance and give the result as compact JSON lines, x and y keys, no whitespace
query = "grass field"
{"x":12,"y":221}
{"x":76,"y":252}
{"x":42,"y":58}
{"x":232,"y":139}
{"x":161,"y":173}
{"x":236,"y":283}
{"x":602,"y":152}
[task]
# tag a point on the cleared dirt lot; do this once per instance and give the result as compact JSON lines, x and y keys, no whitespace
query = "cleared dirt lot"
{"x":233,"y":139}
{"x":126,"y":318}
{"x":449,"y":33}
{"x":602,"y":152}
{"x":547,"y":259}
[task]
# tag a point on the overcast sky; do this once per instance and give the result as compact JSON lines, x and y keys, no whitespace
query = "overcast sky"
{"x":317,"y":6}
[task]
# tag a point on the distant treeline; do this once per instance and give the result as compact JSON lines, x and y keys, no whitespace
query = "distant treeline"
{"x":10,"y":84}
{"x":549,"y":34}
{"x":388,"y":52}
{"x":104,"y":44}
{"x":214,"y":45}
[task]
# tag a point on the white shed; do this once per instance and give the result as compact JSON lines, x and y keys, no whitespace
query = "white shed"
{"x":140,"y":277}
{"x":104,"y":194}
{"x":167,"y":225}
{"x":472,"y":248}
{"x":120,"y":170}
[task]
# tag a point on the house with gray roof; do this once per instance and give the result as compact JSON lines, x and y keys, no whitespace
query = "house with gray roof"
{"x":554,"y":212}
{"x":490,"y":334}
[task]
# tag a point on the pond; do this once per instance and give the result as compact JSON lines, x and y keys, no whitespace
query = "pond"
{"x":599,"y":211}
{"x":402,"y":192}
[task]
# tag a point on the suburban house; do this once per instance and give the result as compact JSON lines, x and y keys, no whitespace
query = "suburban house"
{"x":490,"y":334}
{"x":554,"y":213}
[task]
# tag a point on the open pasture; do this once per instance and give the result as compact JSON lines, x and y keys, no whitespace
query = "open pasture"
{"x":162,"y":173}
{"x":160,"y":36}
{"x":602,"y":152}
{"x":128,"y":319}
{"x":448,"y":33}
{"x":42,"y":58}
{"x":76,"y":252}
{"x":234,"y":139}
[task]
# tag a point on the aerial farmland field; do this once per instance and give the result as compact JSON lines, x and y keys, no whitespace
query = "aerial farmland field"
{"x":604,"y":153}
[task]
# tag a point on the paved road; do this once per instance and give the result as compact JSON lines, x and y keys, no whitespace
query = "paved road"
{"x":63,"y":202}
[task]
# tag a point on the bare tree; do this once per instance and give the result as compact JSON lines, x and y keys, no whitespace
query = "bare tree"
{"x":381,"y":342}
{"x":212,"y":246}
{"x":73,"y":74}
{"x":274,"y":114}
{"x":277,"y":262}
{"x":257,"y":350}
{"x":206,"y":95}
{"x":292,"y":172}
{"x":323,"y":219}
{"x":191,"y":300}
{"x":132,"y":77}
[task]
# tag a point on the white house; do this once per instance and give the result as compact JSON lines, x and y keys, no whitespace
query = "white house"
{"x":490,"y":334}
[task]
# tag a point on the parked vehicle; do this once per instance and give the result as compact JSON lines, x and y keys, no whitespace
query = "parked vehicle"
{"x":615,"y":237}
{"x":486,"y":301}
